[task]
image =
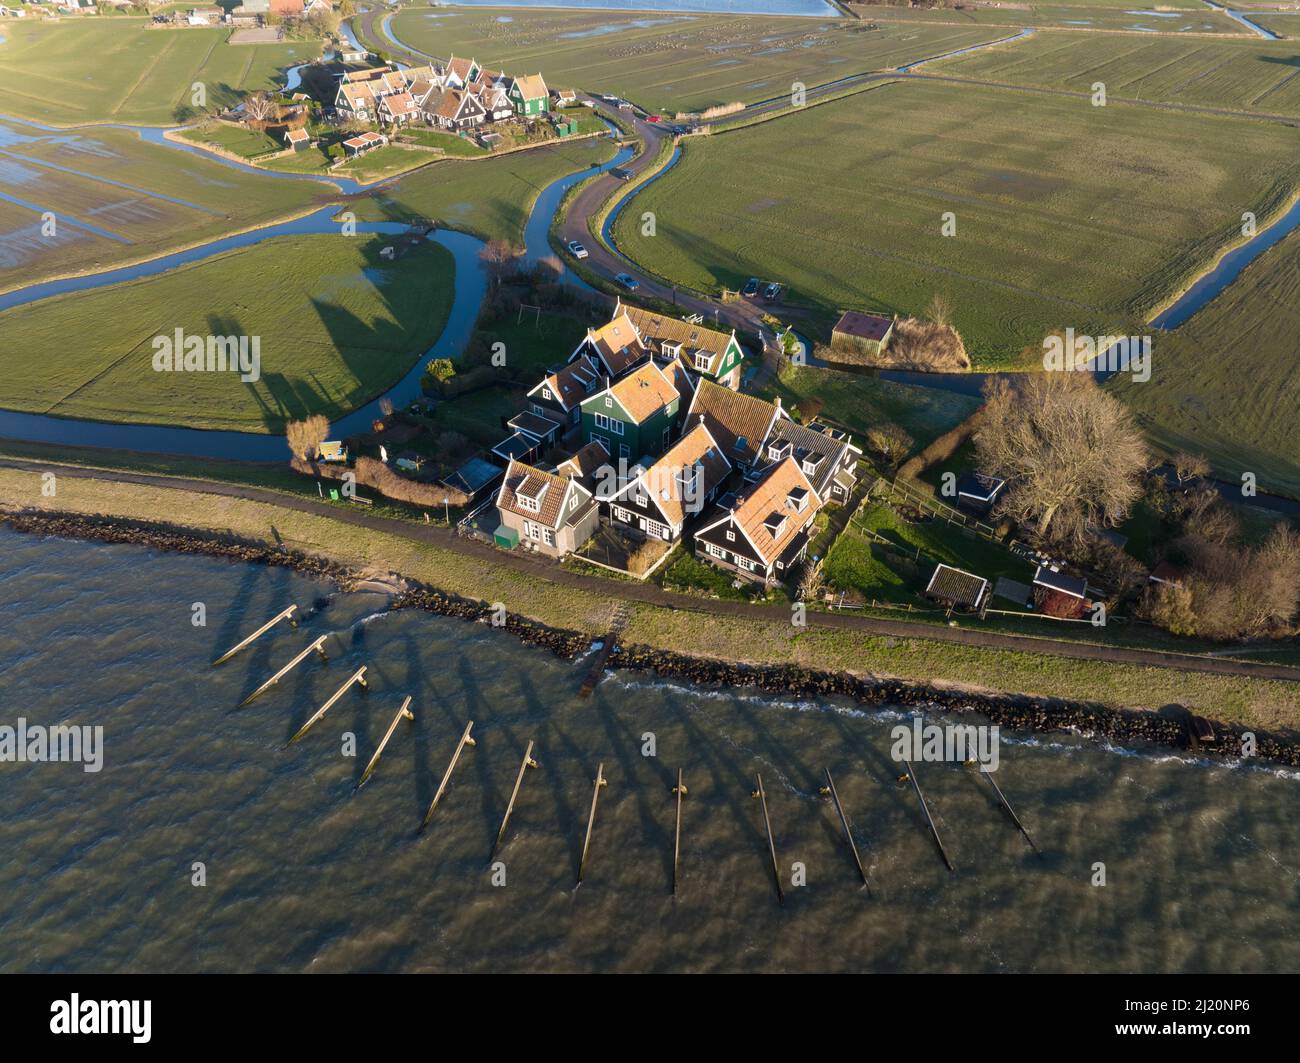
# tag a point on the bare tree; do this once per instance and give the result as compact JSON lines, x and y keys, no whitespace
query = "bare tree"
{"x":1190,"y":467}
{"x":1071,"y":454}
{"x":499,"y":258}
{"x":938,"y":310}
{"x":259,"y":107}
{"x":306,"y":436}
{"x":890,"y":442}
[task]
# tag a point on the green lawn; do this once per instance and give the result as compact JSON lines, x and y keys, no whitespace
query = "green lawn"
{"x":1080,"y":17}
{"x":1225,"y":384}
{"x":490,"y":198}
{"x":447,"y":143}
{"x":1066,"y":214}
{"x":477,"y":415}
{"x":1248,"y":73}
{"x":120,"y":70}
{"x":675,"y":62}
{"x":337,"y":326}
{"x":859,"y":402}
{"x":238,"y":140}
{"x":142,"y":200}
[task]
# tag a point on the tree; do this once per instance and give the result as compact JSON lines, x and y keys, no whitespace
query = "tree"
{"x":499,"y":258}
{"x":306,"y":436}
{"x":890,"y":441}
{"x":1190,"y":467}
{"x":259,"y":107}
{"x":1070,"y":453}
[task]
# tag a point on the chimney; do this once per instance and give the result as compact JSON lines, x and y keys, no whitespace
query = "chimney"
{"x":778,"y":402}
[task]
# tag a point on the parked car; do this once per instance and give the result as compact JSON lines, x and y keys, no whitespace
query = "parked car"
{"x":577,"y":250}
{"x":629,"y":282}
{"x":771,"y":292}
{"x":654,"y":118}
{"x":750,"y":289}
{"x":620,"y":173}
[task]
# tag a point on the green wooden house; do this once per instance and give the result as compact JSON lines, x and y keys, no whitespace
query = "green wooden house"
{"x":635,"y":416}
{"x":529,"y":96}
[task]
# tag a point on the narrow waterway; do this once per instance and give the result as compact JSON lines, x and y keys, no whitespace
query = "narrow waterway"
{"x":303,"y":875}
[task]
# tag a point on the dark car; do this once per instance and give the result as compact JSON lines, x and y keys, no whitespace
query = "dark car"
{"x":751,"y":288}
{"x":771,"y":292}
{"x":628,"y":281}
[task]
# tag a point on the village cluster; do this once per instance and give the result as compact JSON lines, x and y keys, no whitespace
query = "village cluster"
{"x":662,"y":443}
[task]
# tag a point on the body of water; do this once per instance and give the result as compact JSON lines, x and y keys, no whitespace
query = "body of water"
{"x":817,"y":8}
{"x":303,"y":875}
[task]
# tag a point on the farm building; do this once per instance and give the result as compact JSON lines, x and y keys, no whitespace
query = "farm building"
{"x":868,"y":333}
{"x":978,"y":491}
{"x":364,"y":142}
{"x":954,"y":587}
{"x":659,"y":500}
{"x":633,"y":416}
{"x":762,"y":533}
{"x":297,"y":139}
{"x":740,"y":423}
{"x":550,"y":513}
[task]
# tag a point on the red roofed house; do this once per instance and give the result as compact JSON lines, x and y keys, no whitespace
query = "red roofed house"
{"x":551,"y":513}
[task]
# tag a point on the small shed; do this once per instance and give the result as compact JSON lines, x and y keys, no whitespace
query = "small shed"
{"x":978,"y":491}
{"x":334,"y":450}
{"x":297,"y":139}
{"x":1054,"y":580}
{"x":505,"y":537}
{"x":865,"y":332}
{"x":955,"y":587}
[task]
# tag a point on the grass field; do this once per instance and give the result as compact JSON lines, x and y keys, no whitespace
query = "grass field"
{"x":1226,"y":385}
{"x":861,"y":402}
{"x":237,"y":140}
{"x":675,"y":62}
{"x":119,"y":70}
{"x":1249,"y":74}
{"x":490,"y":198}
{"x":1066,"y":214}
{"x":117,"y":199}
{"x":1190,"y":16}
{"x":337,"y":326}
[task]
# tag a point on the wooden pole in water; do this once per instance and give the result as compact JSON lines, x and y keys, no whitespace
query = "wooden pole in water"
{"x":829,"y":788}
{"x":404,"y":711}
{"x":260,"y":631}
{"x":359,"y":676}
{"x":591,"y":819}
{"x":761,"y":794}
{"x":524,"y":765}
{"x":317,"y":646}
{"x":679,"y":791}
{"x":934,"y":833}
{"x":1006,"y":807}
{"x":465,"y":740}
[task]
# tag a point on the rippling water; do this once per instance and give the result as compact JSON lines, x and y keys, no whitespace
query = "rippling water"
{"x":1201,"y":861}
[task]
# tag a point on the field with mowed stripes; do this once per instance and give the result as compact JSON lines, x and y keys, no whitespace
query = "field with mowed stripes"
{"x":121,"y":70}
{"x":1243,"y":75}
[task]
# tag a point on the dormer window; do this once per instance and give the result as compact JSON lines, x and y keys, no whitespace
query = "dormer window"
{"x":778,"y":450}
{"x":774,"y":524}
{"x":702,"y":361}
{"x":797,"y":499}
{"x":811,"y":462}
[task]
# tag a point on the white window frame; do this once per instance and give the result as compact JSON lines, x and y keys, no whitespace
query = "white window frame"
{"x":533,"y":505}
{"x":602,"y":422}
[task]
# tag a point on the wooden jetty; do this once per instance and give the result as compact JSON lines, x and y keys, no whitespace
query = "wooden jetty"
{"x":679,"y":791}
{"x":617,"y":622}
{"x":524,"y":765}
{"x":829,"y":788}
{"x":259,"y":632}
{"x":465,"y":740}
{"x":761,"y":794}
{"x":317,"y":646}
{"x":591,"y":819}
{"x":357,"y":677}
{"x":403,"y":712}
{"x":934,"y":832}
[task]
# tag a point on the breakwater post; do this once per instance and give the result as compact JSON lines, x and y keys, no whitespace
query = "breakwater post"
{"x":318,"y":646}
{"x":934,"y":833}
{"x":591,"y":818}
{"x":679,"y":791}
{"x":524,"y":765}
{"x":465,"y":740}
{"x":761,"y":794}
{"x":404,"y":711}
{"x":829,"y":788}
{"x":358,"y":677}
{"x":1006,"y":807}
{"x":259,"y":632}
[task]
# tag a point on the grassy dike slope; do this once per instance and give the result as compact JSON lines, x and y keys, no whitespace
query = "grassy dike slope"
{"x":1268,"y":704}
{"x":1065,"y":214}
{"x":338,"y":326}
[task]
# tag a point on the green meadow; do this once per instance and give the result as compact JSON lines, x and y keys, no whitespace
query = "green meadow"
{"x":1225,"y":384}
{"x":675,"y":62}
{"x":338,"y":325}
{"x":1061,"y":213}
{"x":141,"y":199}
{"x":1246,"y":74}
{"x":76,"y":71}
{"x":1182,"y":17}
{"x":490,"y":198}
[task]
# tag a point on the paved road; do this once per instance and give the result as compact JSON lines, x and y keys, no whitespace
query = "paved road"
{"x":443,"y":538}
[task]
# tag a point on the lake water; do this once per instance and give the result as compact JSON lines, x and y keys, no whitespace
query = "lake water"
{"x":302,"y":875}
{"x":818,"y":8}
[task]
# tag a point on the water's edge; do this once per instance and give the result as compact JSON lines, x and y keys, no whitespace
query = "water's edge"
{"x":1013,"y":711}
